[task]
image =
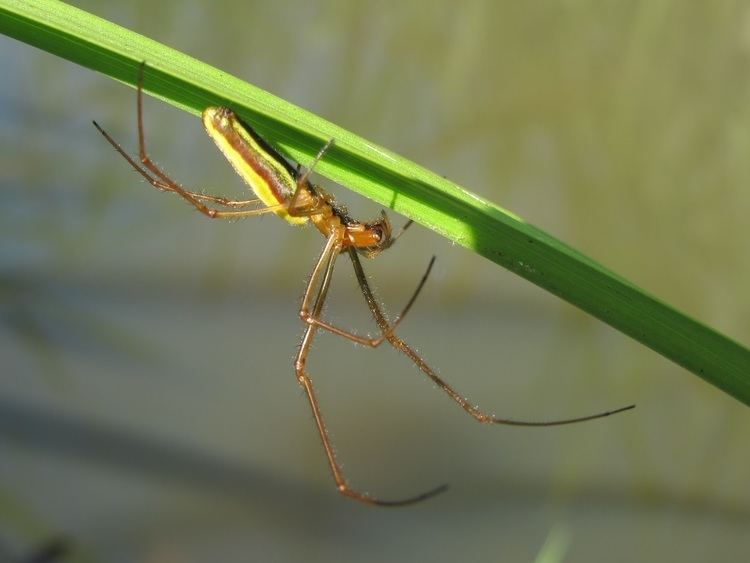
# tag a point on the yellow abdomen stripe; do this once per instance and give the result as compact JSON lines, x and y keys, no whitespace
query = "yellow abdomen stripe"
{"x":262,"y":168}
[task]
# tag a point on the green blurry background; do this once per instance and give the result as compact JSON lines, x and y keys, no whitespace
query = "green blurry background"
{"x":148,"y":408}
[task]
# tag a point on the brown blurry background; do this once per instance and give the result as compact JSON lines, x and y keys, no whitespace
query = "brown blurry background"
{"x":148,"y":408}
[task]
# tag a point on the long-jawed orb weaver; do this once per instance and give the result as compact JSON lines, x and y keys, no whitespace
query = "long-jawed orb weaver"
{"x":285,"y":191}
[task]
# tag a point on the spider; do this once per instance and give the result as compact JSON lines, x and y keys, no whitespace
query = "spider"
{"x":285,"y":191}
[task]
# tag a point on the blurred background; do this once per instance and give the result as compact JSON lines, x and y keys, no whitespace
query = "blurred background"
{"x":148,"y":407}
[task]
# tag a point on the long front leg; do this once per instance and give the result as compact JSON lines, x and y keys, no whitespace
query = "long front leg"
{"x":324,"y":269}
{"x":399,"y":344}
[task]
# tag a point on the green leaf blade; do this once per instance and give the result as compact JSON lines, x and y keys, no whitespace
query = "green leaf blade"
{"x":390,"y":180}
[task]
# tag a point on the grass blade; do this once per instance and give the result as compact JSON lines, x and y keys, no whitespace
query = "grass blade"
{"x":390,"y":180}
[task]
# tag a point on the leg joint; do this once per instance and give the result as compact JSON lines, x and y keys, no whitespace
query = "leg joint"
{"x":302,"y":377}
